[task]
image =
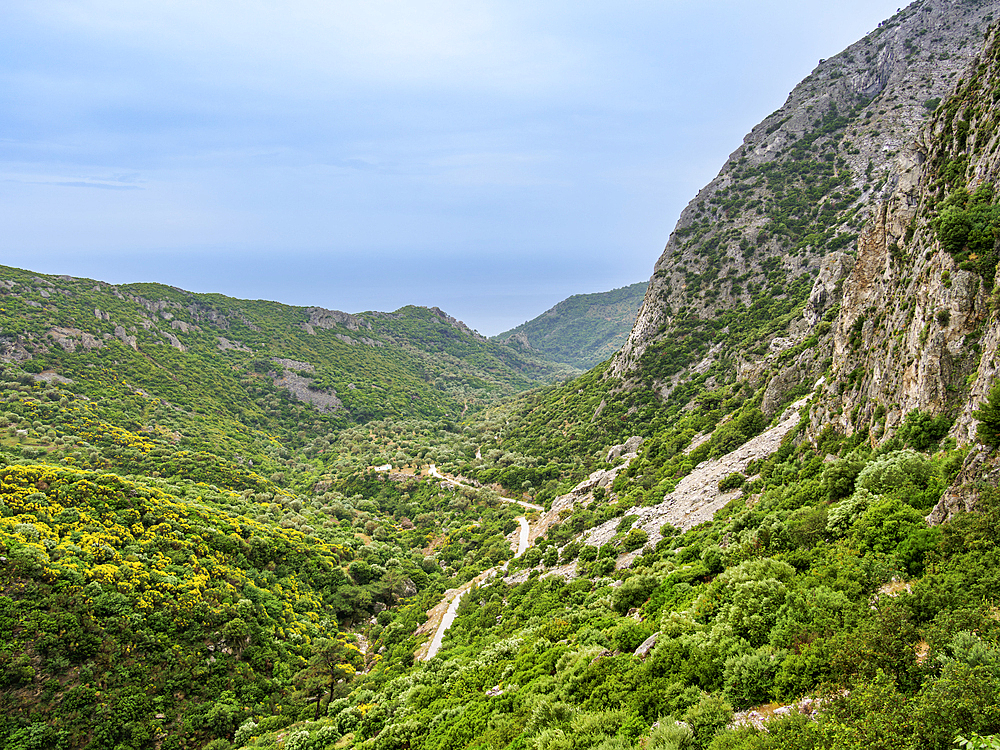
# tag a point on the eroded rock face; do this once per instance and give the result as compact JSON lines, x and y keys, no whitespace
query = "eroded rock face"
{"x":322,"y":318}
{"x":721,"y":234}
{"x":122,"y":335}
{"x":227,"y":345}
{"x":180,"y":325}
{"x":12,"y":349}
{"x":902,"y":350}
{"x":826,"y":290}
{"x":70,"y":338}
{"x":780,"y":386}
{"x":298,"y":386}
{"x":301,"y":387}
{"x":980,"y":468}
{"x":293,"y":364}
{"x":916,"y":331}
{"x":891,"y":322}
{"x":174,"y":341}
{"x":584,"y":491}
{"x":647,"y":646}
{"x":629,"y":446}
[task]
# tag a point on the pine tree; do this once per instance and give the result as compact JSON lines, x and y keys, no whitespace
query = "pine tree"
{"x":988,"y":414}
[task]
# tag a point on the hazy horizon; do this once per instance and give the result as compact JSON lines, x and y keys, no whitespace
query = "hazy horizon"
{"x":487,"y":159}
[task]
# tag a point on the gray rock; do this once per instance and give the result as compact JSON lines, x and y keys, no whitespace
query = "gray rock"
{"x":832,"y":271}
{"x":298,"y":386}
{"x":629,"y":446}
{"x":323,"y":318}
{"x":226,"y":345}
{"x":979,"y":468}
{"x":647,"y":645}
{"x":123,"y":336}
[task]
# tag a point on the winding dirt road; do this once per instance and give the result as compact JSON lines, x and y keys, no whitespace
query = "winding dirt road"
{"x":454,"y":596}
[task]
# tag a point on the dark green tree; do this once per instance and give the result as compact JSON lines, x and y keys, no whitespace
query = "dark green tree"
{"x":334,"y":660}
{"x":988,"y":414}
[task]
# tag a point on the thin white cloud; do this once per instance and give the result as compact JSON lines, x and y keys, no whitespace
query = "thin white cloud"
{"x":117,"y":182}
{"x":301,"y":44}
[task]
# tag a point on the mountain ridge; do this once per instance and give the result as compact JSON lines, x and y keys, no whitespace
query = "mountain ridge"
{"x":883,"y":77}
{"x":410,"y":362}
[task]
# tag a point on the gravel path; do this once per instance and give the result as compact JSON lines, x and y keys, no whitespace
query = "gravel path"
{"x":453,"y":597}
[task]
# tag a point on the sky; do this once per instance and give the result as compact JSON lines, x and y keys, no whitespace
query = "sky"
{"x":488,"y":158}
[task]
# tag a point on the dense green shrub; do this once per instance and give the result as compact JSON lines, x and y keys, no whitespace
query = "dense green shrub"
{"x":885,"y":525}
{"x":706,"y":718}
{"x":921,"y":431}
{"x":633,"y":592}
{"x":968,"y":227}
{"x":749,"y":677}
{"x":732,"y":482}
{"x":669,"y":735}
{"x":635,"y":539}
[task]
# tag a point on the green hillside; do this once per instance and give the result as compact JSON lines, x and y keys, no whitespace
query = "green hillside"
{"x":151,"y":596}
{"x":829,"y":587}
{"x":232,"y":375}
{"x":582,"y":330}
{"x":773,"y":524}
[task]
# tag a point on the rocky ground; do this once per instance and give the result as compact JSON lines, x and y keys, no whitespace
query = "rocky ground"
{"x":697,"y":498}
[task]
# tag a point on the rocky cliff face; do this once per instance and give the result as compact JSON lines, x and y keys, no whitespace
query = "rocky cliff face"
{"x":831,"y":176}
{"x":917,"y":321}
{"x":818,"y":249}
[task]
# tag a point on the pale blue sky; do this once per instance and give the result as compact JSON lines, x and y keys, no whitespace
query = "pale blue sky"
{"x":490,"y":158}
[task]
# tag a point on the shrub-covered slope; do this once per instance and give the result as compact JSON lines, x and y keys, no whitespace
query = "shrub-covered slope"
{"x":154,"y":596}
{"x":582,"y":330}
{"x":140,"y":614}
{"x":819,"y":604}
{"x":815,"y":252}
{"x":204,"y":361}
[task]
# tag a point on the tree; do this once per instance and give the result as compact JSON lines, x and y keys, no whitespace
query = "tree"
{"x":333,"y":660}
{"x":988,"y":414}
{"x":920,"y":430}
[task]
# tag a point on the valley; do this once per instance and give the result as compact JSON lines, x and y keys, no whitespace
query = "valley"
{"x":766,"y":517}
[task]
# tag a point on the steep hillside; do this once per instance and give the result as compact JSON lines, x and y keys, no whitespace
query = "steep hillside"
{"x":743,"y":302}
{"x":582,"y":330}
{"x":189,"y":525}
{"x":799,"y":189}
{"x":917,"y":329}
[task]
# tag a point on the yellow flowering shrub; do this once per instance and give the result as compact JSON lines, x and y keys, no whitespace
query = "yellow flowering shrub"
{"x":111,"y":578}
